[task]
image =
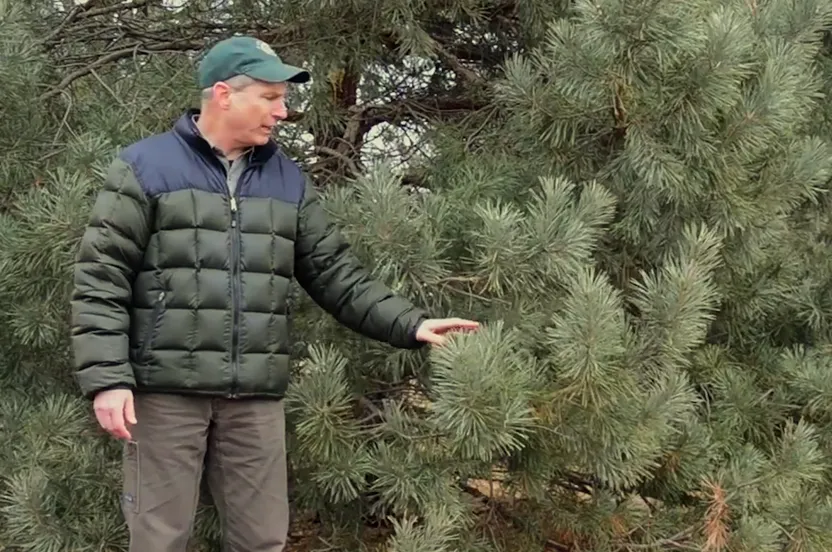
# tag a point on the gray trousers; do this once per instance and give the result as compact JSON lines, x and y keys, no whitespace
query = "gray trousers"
{"x":245,"y":467}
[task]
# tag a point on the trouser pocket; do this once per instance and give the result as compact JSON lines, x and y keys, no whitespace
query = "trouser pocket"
{"x":130,"y":496}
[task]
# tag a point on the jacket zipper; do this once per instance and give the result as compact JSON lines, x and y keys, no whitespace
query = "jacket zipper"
{"x":154,"y":319}
{"x":236,"y":294}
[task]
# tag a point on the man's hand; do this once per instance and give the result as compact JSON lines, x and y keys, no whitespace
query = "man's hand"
{"x":433,"y":330}
{"x":112,"y":409}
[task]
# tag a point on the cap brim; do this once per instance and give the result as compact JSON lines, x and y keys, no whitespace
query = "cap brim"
{"x":278,"y":72}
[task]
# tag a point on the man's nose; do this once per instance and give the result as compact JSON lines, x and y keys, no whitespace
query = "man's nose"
{"x":279,"y":111}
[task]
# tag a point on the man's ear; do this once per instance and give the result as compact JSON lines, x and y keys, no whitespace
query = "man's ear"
{"x":222,"y":95}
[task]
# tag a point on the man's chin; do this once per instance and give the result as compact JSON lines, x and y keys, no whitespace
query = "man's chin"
{"x":260,"y":138}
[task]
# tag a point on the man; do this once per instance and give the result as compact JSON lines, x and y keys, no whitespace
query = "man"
{"x":180,"y":312}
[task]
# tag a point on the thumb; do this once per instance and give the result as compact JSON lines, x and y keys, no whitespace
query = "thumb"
{"x":129,"y":410}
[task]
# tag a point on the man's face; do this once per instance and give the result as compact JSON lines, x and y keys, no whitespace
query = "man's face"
{"x":253,"y":112}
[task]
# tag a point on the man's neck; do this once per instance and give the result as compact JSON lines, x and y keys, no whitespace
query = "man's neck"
{"x":216,"y":138}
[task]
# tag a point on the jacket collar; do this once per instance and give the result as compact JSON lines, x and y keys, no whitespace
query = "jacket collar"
{"x":187,"y":130}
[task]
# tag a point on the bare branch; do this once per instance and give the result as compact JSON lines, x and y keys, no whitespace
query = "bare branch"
{"x":114,"y":8}
{"x":354,"y":170}
{"x":66,"y":21}
{"x":457,"y":66}
{"x":112,"y":57}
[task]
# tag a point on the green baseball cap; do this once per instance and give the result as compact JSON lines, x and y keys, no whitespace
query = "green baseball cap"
{"x":246,"y":55}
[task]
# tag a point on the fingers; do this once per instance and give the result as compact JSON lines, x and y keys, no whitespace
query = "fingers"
{"x":130,"y":410}
{"x":435,"y":339}
{"x":119,"y":428}
{"x":103,"y":418}
{"x":111,"y":418}
{"x":433,"y":331}
{"x":457,"y":324}
{"x":112,"y":421}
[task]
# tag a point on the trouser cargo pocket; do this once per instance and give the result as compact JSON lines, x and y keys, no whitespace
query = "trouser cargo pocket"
{"x":130,"y":493}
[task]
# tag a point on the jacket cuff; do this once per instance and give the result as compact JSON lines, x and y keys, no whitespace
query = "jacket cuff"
{"x":102,"y":377}
{"x":414,"y":329}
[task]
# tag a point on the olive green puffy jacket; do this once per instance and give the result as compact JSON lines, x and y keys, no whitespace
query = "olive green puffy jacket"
{"x":181,"y":287}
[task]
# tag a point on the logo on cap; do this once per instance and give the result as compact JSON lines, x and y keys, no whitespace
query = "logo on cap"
{"x":265,"y":48}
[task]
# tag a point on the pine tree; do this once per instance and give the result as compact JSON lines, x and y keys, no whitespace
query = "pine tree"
{"x":632,"y":196}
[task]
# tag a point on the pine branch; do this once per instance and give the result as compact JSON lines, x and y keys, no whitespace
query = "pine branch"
{"x":676,"y":542}
{"x":602,"y":389}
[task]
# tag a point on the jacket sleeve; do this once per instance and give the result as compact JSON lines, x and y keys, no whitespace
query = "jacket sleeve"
{"x":111,"y":250}
{"x":329,"y":272}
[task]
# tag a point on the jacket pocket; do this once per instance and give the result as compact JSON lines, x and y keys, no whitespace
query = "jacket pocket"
{"x":150,"y":331}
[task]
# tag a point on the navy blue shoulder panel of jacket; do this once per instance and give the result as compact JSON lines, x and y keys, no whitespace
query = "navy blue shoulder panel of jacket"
{"x":181,"y":159}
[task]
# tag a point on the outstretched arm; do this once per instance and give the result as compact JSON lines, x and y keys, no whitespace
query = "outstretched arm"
{"x":334,"y":278}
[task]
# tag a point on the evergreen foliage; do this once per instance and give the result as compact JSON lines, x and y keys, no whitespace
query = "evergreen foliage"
{"x":632,"y":196}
